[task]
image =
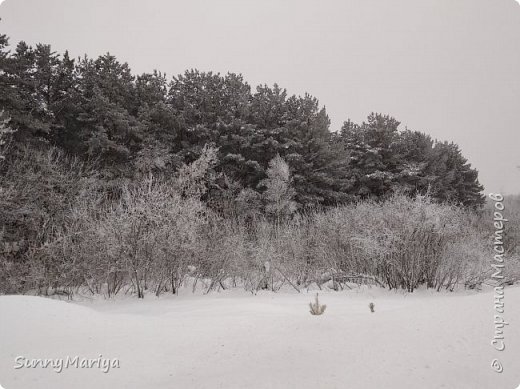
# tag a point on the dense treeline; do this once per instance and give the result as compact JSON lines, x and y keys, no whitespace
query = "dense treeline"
{"x":111,"y":180}
{"x":97,"y":110}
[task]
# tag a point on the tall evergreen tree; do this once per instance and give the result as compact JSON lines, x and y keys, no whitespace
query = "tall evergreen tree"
{"x":384,"y":160}
{"x":453,"y":178}
{"x":370,"y":147}
{"x":104,"y":125}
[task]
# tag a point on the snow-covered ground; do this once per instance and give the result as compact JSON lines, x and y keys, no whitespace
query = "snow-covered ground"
{"x":235,"y":340}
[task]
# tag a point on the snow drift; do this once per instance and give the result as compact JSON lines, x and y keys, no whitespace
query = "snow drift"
{"x":235,"y":340}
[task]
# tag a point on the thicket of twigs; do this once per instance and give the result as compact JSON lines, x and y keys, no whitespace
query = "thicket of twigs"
{"x":154,"y":235}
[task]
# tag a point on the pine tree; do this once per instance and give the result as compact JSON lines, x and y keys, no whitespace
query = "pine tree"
{"x":453,"y":178}
{"x":383,"y":160}
{"x":413,"y":150}
{"x":104,"y":124}
{"x":374,"y":165}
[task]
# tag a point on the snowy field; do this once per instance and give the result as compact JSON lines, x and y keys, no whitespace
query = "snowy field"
{"x":235,"y":340}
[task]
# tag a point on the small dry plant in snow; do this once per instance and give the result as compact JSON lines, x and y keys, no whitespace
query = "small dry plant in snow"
{"x":316,"y":308}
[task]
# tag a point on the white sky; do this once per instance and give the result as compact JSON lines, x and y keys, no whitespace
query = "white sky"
{"x":450,"y":68}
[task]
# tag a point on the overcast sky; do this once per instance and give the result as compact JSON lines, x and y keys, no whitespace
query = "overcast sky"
{"x":450,"y":68}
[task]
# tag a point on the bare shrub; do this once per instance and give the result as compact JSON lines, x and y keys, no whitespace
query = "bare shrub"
{"x":402,"y":242}
{"x":5,"y":135}
{"x":279,"y":193}
{"x":37,"y":190}
{"x":145,"y":239}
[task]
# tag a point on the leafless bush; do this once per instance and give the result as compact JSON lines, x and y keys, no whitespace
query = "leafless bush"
{"x":402,"y":243}
{"x":37,"y":189}
{"x":147,"y":238}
